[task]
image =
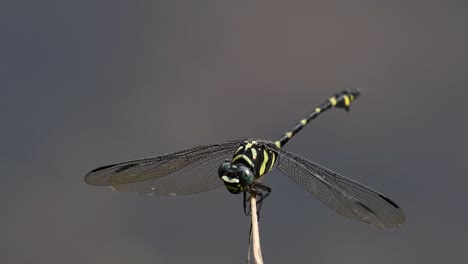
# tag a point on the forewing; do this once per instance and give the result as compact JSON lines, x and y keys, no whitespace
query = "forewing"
{"x":342,"y":195}
{"x":188,"y":171}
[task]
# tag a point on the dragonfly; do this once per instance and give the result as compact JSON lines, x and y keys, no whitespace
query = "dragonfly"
{"x":240,"y":165}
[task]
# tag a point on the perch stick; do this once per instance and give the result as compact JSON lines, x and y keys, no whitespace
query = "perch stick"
{"x":257,"y":252}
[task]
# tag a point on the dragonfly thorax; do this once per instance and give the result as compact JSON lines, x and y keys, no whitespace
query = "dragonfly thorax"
{"x":235,"y":176}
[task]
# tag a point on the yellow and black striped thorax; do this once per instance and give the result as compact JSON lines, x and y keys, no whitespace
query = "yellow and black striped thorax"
{"x":253,"y":154}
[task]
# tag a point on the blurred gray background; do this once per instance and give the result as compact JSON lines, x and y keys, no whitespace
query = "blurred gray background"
{"x":88,"y":83}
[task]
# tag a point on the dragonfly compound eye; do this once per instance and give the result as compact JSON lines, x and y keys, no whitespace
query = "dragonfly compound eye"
{"x":245,"y":175}
{"x":224,"y":169}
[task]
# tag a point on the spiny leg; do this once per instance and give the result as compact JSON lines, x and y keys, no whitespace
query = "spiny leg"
{"x":340,"y":100}
{"x":246,"y":211}
{"x":261,"y":192}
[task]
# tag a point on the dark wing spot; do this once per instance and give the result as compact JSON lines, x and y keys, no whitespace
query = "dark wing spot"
{"x":365,"y":207}
{"x":389,"y":201}
{"x":126,"y":167}
{"x":102,"y":168}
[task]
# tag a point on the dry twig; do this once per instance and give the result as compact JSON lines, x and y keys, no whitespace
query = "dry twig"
{"x":257,"y":252}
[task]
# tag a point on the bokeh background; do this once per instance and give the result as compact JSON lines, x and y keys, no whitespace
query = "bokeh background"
{"x":88,"y":83}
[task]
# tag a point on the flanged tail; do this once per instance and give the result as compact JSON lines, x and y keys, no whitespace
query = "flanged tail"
{"x":340,"y":100}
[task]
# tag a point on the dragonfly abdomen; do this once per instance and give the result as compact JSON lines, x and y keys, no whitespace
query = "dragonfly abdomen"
{"x":340,"y":100}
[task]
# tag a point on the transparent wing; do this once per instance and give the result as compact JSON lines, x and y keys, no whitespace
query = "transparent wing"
{"x":188,"y":171}
{"x":342,"y":195}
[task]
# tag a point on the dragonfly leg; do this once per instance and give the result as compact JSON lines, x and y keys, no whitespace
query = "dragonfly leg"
{"x":246,"y":206}
{"x":247,"y":196}
{"x":261,"y":191}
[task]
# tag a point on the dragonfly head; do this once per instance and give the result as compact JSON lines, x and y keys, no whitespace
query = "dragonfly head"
{"x":235,"y":177}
